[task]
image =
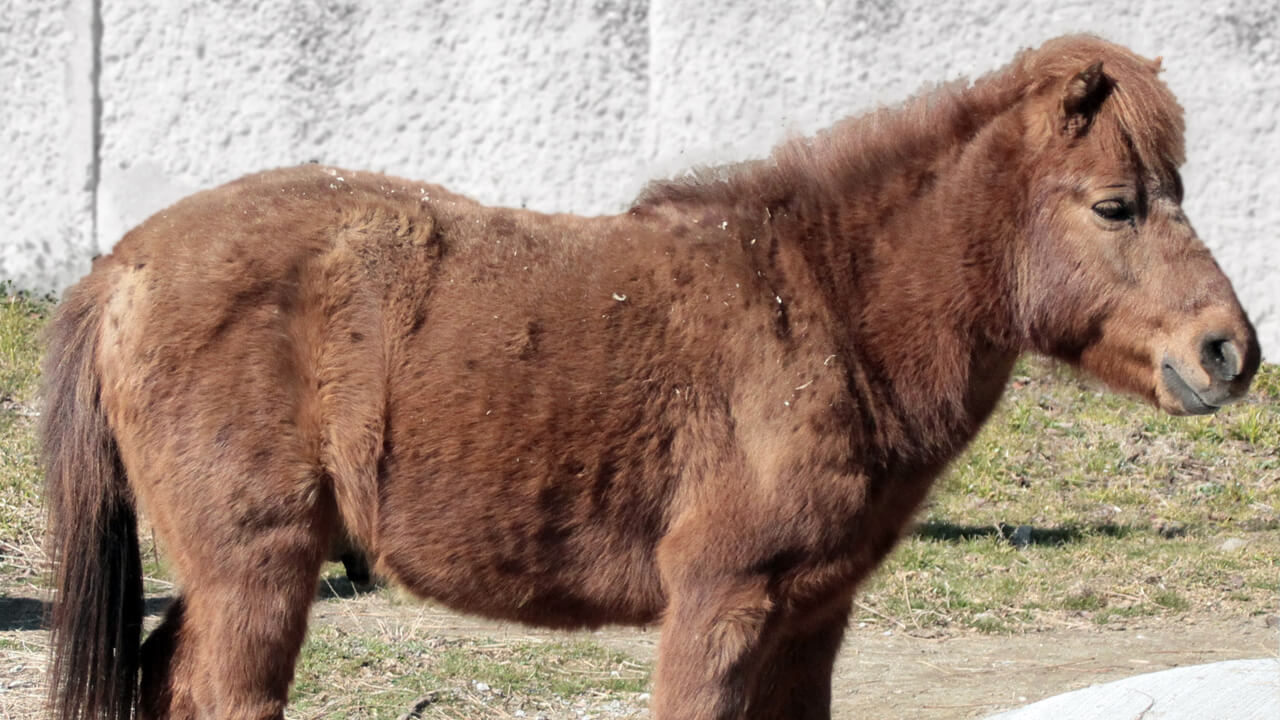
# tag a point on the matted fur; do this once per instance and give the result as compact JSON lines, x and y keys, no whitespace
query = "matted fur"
{"x":716,"y":411}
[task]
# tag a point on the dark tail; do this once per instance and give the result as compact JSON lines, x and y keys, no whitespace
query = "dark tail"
{"x":96,"y":619}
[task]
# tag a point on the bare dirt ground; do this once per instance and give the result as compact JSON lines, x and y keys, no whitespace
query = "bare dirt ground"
{"x":888,"y":673}
{"x":973,"y":675}
{"x":882,"y":672}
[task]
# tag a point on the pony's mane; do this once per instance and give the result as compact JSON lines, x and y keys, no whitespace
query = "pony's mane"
{"x":866,"y":148}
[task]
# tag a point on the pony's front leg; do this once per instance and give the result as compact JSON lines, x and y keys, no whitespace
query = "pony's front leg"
{"x":794,"y":681}
{"x":709,"y":650}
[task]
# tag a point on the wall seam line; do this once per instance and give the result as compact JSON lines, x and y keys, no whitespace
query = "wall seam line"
{"x":95,"y":82}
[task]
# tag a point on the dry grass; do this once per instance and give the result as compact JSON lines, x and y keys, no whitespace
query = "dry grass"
{"x":381,"y":669}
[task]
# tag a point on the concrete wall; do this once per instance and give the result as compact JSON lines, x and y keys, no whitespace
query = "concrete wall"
{"x":114,"y":108}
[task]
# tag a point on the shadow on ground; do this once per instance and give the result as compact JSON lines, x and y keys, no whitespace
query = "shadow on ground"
{"x":27,"y":613}
{"x":1019,"y":534}
{"x":342,"y":588}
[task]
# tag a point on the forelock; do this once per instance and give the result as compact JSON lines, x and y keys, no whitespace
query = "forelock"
{"x":1143,"y":107}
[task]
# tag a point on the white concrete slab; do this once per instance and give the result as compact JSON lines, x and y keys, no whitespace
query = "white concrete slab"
{"x":1234,"y":690}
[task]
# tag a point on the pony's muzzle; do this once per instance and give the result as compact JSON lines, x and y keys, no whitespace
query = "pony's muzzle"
{"x":1221,"y":375}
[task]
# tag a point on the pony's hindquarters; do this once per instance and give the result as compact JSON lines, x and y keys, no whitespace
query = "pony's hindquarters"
{"x":234,"y":503}
{"x":92,"y":534}
{"x":206,"y":386}
{"x":198,"y":361}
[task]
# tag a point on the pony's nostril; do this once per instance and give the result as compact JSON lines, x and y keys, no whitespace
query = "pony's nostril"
{"x":1220,"y":359}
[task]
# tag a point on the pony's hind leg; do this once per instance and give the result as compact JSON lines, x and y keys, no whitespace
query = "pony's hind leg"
{"x":228,"y":646}
{"x":254,"y":624}
{"x":166,"y":657}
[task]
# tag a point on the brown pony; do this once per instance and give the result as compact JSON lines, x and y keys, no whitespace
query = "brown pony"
{"x":716,"y":411}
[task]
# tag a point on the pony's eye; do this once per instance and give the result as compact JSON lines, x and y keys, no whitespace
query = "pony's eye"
{"x":1113,"y":210}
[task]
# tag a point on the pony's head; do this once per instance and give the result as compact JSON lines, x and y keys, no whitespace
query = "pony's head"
{"x":1112,"y":276}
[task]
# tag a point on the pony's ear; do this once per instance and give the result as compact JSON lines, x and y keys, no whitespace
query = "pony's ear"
{"x":1082,"y":98}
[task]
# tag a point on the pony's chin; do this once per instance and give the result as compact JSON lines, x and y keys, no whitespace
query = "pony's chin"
{"x":1176,"y":397}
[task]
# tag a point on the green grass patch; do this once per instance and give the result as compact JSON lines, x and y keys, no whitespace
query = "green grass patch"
{"x":22,"y":317}
{"x":1128,"y":510}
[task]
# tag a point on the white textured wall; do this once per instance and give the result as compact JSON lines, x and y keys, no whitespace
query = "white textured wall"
{"x":566,"y":106}
{"x":46,"y":142}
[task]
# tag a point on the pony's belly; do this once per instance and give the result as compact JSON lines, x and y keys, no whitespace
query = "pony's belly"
{"x":575,"y":590}
{"x":524,"y":514}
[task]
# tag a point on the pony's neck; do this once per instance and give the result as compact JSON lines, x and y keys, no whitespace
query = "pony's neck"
{"x":914,"y":261}
{"x":899,"y":226}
